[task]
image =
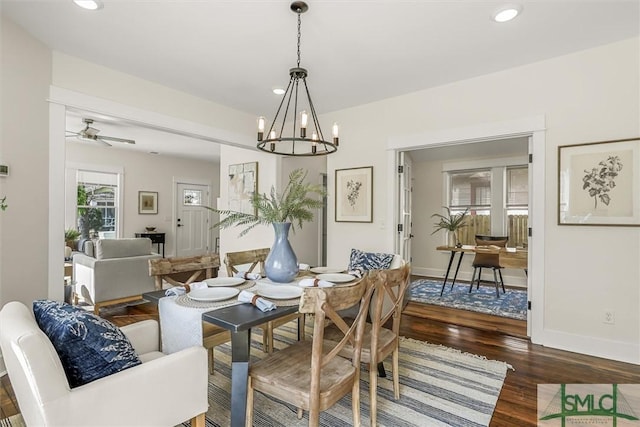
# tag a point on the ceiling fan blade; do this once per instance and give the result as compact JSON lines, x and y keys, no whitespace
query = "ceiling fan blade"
{"x":113,"y":138}
{"x":102,"y":141}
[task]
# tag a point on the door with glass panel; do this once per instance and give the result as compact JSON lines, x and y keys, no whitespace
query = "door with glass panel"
{"x":193,"y":236}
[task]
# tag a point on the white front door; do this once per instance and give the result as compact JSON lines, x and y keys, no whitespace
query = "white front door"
{"x":406,"y":187}
{"x":193,"y":236}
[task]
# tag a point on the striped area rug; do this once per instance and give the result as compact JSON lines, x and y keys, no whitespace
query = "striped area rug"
{"x":439,"y":386}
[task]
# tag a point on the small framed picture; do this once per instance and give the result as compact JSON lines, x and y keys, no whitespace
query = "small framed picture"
{"x":354,"y":194}
{"x":599,"y":183}
{"x":148,"y":202}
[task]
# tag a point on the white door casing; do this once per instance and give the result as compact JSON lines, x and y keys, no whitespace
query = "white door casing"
{"x":193,"y":236}
{"x":405,"y":192}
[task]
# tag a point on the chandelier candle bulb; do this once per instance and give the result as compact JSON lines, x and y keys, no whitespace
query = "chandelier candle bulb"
{"x":304,"y":118}
{"x":335,"y":130}
{"x":261,"y":124}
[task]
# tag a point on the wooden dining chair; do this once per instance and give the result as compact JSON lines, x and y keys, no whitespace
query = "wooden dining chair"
{"x":381,"y":340}
{"x":488,"y":256}
{"x":180,"y":271}
{"x":310,"y":374}
{"x":255,"y":259}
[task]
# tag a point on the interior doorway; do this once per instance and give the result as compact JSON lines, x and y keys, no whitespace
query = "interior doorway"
{"x":533,"y":130}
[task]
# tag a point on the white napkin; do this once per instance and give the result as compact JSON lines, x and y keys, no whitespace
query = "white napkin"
{"x":356,"y":272}
{"x":304,"y":267}
{"x":181,"y":290}
{"x":261,"y":303}
{"x":313,"y":283}
{"x":247,"y":276}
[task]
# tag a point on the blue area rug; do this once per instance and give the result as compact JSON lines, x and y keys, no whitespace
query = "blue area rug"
{"x":512,"y":304}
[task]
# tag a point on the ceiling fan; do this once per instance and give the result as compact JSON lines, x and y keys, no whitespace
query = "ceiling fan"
{"x":91,"y":133}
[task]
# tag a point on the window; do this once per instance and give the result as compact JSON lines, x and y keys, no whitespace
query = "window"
{"x":517,"y":203}
{"x":97,"y":203}
{"x":471,"y":190}
{"x":497,"y":201}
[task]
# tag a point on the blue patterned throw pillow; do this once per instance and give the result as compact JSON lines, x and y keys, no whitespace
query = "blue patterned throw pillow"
{"x":365,"y":261}
{"x":89,"y":346}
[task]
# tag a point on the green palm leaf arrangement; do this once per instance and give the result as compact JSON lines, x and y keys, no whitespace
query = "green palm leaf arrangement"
{"x":294,"y":205}
{"x":449,"y":222}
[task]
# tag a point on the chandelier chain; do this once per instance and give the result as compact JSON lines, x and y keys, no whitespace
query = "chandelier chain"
{"x":298,"y":39}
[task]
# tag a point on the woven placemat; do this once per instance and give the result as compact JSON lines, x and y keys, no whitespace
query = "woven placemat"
{"x":185,"y":301}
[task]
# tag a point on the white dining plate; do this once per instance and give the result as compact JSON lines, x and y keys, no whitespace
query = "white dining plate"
{"x":279,"y":292}
{"x":323,"y":270}
{"x":336,"y":277}
{"x":224,"y":281}
{"x":268,"y":282}
{"x":213,"y":294}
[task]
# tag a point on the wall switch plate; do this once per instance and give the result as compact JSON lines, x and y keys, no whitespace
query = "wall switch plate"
{"x":609,"y":317}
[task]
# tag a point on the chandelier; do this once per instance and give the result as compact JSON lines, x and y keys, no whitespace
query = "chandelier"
{"x":306,"y":138}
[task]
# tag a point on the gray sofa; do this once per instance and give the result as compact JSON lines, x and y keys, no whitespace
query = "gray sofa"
{"x":112,"y":271}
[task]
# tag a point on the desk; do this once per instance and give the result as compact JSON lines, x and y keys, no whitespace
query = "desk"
{"x":157,"y":238}
{"x":238,"y":319}
{"x":517,"y":260}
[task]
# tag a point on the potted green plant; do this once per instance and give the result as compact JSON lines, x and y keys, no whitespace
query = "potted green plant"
{"x":281,"y":210}
{"x":3,"y":203}
{"x":451,"y":223}
{"x":71,"y":237}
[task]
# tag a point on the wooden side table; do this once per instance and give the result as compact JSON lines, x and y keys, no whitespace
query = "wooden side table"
{"x":157,"y":238}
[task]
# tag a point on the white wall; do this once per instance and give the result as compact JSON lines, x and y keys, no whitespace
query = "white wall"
{"x":144,"y":172}
{"x":306,"y":240}
{"x":593,"y":95}
{"x":24,"y":134}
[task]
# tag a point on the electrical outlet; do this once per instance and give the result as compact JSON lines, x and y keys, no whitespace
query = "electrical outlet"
{"x":609,"y":317}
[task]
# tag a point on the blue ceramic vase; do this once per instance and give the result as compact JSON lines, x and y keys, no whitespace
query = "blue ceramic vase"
{"x":281,"y":264}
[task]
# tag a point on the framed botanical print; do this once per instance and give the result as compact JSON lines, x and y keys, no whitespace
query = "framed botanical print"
{"x":243,"y":183}
{"x":354,"y":194}
{"x":148,"y":202}
{"x":599,"y":183}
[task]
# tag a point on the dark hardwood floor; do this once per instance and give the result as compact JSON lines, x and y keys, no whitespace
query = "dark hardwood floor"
{"x":516,"y":406}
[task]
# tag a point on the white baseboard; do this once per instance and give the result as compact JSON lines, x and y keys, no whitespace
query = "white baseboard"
{"x":592,"y":346}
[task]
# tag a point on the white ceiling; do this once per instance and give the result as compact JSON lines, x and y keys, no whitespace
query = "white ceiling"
{"x":235,"y":52}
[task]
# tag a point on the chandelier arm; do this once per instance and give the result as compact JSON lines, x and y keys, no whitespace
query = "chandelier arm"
{"x":314,"y":115}
{"x":295,"y":116}
{"x":293,"y":82}
{"x":275,"y":118}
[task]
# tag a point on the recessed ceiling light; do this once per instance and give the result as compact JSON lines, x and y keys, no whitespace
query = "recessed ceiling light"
{"x":89,"y":4}
{"x":278,"y":91}
{"x":507,"y":13}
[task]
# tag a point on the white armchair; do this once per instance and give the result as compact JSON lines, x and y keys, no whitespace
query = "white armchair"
{"x":165,"y":390}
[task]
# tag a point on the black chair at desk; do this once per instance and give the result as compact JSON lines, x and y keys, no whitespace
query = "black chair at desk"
{"x":488,"y":256}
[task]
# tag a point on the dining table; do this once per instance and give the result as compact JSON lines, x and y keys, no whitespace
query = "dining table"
{"x":239,"y":319}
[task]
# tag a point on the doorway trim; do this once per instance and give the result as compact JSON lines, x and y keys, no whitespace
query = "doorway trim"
{"x":533,"y":127}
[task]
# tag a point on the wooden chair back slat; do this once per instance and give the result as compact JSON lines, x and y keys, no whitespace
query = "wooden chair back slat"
{"x":255,"y":257}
